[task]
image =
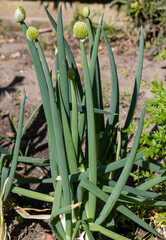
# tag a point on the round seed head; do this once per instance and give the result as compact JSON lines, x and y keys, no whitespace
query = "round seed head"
{"x":32,"y":33}
{"x":71,"y":74}
{"x":134,"y":5}
{"x":19,"y":15}
{"x":80,"y":30}
{"x":86,"y":12}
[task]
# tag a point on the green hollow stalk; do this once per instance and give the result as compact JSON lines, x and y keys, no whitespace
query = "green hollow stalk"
{"x":106,"y":232}
{"x":32,"y":194}
{"x":62,"y":161}
{"x":92,"y":74}
{"x":70,"y":58}
{"x":16,"y":151}
{"x":91,"y":133}
{"x":50,"y":90}
{"x":74,"y":116}
{"x":70,"y":150}
{"x":57,"y":226}
{"x":114,"y":101}
{"x":94,"y":71}
{"x":64,"y":84}
{"x":41,"y":81}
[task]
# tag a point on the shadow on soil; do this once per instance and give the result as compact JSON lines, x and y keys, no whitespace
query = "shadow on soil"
{"x":17,"y":81}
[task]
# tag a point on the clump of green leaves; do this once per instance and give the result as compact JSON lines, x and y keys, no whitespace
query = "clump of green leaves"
{"x":155,"y":139}
{"x":161,"y":55}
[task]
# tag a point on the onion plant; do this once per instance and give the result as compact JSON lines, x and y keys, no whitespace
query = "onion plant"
{"x":85,"y":150}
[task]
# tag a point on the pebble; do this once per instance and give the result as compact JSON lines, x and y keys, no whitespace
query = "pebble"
{"x":16,"y":55}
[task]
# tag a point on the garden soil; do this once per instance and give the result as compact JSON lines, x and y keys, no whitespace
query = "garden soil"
{"x":17,"y":74}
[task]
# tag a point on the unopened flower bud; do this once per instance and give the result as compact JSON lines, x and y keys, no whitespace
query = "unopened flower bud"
{"x":134,"y":5}
{"x":19,"y":15}
{"x":32,"y":33}
{"x":71,"y":74}
{"x":86,"y":12}
{"x":80,"y":30}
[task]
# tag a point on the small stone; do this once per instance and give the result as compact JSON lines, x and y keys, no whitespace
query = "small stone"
{"x":16,"y":55}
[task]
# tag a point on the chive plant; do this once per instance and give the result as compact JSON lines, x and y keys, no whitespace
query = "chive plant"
{"x":84,"y":149}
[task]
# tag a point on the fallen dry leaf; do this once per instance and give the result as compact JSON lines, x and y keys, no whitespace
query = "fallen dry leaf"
{"x":49,"y":237}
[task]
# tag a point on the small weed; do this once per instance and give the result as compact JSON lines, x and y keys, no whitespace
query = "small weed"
{"x":15,"y":118}
{"x":162,"y":55}
{"x":16,"y":102}
{"x":18,"y":91}
{"x":125,"y":72}
{"x":143,"y":83}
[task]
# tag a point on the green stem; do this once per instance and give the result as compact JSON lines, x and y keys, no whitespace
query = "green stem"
{"x":91,"y":133}
{"x":74,"y":116}
{"x":16,"y":151}
{"x":61,"y":154}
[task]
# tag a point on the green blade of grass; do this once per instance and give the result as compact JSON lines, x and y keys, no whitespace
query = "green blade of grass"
{"x":70,"y":58}
{"x":87,"y":230}
{"x":56,"y":130}
{"x":152,"y":182}
{"x":91,"y":132}
{"x":13,"y":124}
{"x":74,"y":116}
{"x":137,"y":82}
{"x":135,"y":94}
{"x":82,"y":109}
{"x":104,"y":169}
{"x":114,"y":101}
{"x":106,"y":232}
{"x":55,"y":215}
{"x":124,"y":175}
{"x":150,"y":166}
{"x":57,"y":226}
{"x":59,"y":146}
{"x":4,"y":175}
{"x":95,"y":77}
{"x":16,"y":150}
{"x":77,"y":226}
{"x":53,"y":162}
{"x":33,"y":161}
{"x":64,"y":85}
{"x":97,"y":97}
{"x":135,"y":200}
{"x":41,"y":81}
{"x":95,"y":52}
{"x":32,"y":194}
{"x":70,"y":151}
{"x":130,"y":190}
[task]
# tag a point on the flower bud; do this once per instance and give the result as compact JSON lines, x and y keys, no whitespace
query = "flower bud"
{"x":80,"y":30}
{"x":19,"y":15}
{"x":71,"y":74}
{"x":134,"y":5}
{"x":86,"y":12}
{"x":32,"y":33}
